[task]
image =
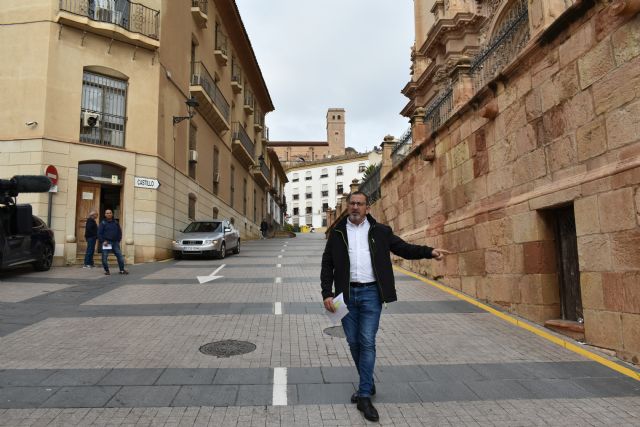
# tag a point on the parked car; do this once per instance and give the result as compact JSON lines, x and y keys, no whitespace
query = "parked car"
{"x":213,"y":238}
{"x":24,"y":239}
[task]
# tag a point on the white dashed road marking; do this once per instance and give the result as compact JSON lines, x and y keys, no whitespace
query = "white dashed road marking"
{"x":279,"y":386}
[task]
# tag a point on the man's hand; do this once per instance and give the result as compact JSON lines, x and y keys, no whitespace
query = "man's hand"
{"x":328,"y":304}
{"x":438,"y":254}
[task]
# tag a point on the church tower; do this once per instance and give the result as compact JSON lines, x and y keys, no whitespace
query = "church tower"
{"x":335,"y":131}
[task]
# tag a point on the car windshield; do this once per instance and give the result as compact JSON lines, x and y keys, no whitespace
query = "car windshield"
{"x":203,"y":227}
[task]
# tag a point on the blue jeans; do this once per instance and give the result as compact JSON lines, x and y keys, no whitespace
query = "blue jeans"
{"x":360,"y":326}
{"x":115,"y":248}
{"x":91,"y":248}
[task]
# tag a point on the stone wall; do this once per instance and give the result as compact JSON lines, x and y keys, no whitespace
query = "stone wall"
{"x":566,"y":133}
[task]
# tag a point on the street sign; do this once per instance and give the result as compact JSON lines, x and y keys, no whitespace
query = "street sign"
{"x":52,"y":173}
{"x":142,"y":182}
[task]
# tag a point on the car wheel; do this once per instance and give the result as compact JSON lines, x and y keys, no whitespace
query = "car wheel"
{"x":237,"y":248}
{"x":177,"y":255}
{"x":223,"y":251}
{"x":45,"y":259}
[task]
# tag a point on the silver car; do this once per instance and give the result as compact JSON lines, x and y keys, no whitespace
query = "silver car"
{"x":211,"y":237}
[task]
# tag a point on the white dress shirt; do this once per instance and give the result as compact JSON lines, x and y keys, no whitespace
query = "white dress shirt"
{"x":359,"y":255}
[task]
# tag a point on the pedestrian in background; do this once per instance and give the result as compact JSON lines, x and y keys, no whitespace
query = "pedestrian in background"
{"x":90,"y":235}
{"x":110,"y":234}
{"x":263,"y":229}
{"x":357,"y":263}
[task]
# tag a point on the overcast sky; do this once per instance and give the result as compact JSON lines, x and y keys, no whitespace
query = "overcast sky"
{"x":320,"y":54}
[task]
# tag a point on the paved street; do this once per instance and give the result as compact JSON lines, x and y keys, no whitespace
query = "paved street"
{"x":81,"y":348}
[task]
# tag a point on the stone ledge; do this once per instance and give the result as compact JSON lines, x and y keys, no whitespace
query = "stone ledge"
{"x":569,"y":328}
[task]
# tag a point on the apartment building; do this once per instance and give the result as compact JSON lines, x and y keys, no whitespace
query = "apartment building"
{"x":155,"y":109}
{"x":315,"y":187}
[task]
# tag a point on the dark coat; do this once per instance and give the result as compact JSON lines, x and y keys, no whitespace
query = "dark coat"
{"x":91,"y":229}
{"x":335,"y":259}
{"x":110,"y":231}
{"x":264,"y":226}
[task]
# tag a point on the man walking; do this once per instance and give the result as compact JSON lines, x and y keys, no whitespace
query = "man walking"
{"x":110,"y":234}
{"x":263,"y":229}
{"x":357,"y":263}
{"x":90,"y":235}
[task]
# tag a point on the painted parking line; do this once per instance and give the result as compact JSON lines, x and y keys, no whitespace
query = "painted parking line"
{"x":279,"y":386}
{"x":278,"y":265}
{"x":279,"y":256}
{"x":529,"y":327}
{"x":277,"y":309}
{"x":278,"y":280}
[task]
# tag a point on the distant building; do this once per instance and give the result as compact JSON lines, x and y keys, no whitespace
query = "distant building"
{"x":291,"y":153}
{"x":314,"y":187}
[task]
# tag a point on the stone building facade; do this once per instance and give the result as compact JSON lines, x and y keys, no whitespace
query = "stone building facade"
{"x":98,"y":90}
{"x":525,"y":160}
{"x":292,"y":153}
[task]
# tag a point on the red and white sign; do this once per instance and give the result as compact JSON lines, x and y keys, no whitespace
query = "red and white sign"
{"x":52,"y":174}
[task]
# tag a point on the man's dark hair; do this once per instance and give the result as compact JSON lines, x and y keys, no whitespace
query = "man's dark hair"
{"x":366,"y":198}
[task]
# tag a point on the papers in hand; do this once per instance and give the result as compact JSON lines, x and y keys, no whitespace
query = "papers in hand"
{"x":341,"y":309}
{"x":107,"y":246}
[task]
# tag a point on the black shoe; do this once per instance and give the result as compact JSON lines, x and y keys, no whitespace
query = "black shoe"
{"x":106,"y":273}
{"x":124,"y":272}
{"x":369,"y":412}
{"x":354,"y":396}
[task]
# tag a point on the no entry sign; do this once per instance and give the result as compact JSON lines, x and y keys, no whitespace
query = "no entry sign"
{"x":52,"y":174}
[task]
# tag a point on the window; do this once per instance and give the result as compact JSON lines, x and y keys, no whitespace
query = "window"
{"x":325,"y":205}
{"x":231,"y":185}
{"x":244,"y":196}
{"x":192,"y":206}
{"x":309,"y":210}
{"x":295,"y":178}
{"x":308,"y":193}
{"x":216,"y":169}
{"x":296,"y":211}
{"x":325,"y":190}
{"x":339,"y":170}
{"x":361,"y":167}
{"x":214,"y":213}
{"x":193,"y":131}
{"x":324,"y":173}
{"x":103,"y":110}
{"x":296,"y":197}
{"x":339,"y":189}
{"x":307,"y":176}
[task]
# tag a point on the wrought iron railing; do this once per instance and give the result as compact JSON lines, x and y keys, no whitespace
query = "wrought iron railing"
{"x":258,"y":118}
{"x":265,"y":171}
{"x":240,"y":134}
{"x":439,"y":110}
{"x":402,"y":147}
{"x":509,"y":40}
{"x":248,"y":98}
{"x":201,"y":4}
{"x":221,"y":40}
{"x":236,"y":71}
{"x":200,"y":77}
{"x":371,"y":185}
{"x":133,"y":17}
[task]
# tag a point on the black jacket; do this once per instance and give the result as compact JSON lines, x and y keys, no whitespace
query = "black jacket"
{"x":382,"y":241}
{"x":91,"y":230}
{"x":110,"y":231}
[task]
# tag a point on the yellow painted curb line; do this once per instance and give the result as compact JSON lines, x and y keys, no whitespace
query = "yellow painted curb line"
{"x":507,"y":318}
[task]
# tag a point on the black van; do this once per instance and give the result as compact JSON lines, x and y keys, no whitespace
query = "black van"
{"x":24,"y":238}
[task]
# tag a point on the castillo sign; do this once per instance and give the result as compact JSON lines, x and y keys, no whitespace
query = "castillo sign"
{"x":142,"y":182}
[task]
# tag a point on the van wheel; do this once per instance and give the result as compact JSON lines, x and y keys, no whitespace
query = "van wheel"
{"x":177,"y":255}
{"x":237,"y":248}
{"x":45,"y":260}
{"x":223,"y":251}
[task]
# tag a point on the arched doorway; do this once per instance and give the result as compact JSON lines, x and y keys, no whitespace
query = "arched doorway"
{"x":99,"y":188}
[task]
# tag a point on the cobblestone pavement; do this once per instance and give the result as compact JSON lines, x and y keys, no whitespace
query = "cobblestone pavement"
{"x":80,"y":348}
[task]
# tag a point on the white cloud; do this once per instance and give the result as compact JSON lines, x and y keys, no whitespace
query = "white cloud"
{"x":316,"y":55}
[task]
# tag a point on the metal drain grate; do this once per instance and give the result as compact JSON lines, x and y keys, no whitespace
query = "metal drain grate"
{"x":227,"y":348}
{"x":335,"y":331}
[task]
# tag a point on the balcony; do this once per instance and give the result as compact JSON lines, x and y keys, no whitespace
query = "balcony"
{"x":249,"y":102}
{"x":213,"y":107}
{"x":242,"y":146}
{"x":199,"y":12}
{"x":265,"y":134}
{"x":262,"y":175}
{"x":258,"y":120}
{"x":236,"y":76}
{"x":116,"y":19}
{"x":220,"y":51}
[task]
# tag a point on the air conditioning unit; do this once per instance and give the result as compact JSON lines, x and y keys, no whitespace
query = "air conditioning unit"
{"x":90,"y":120}
{"x":216,"y":177}
{"x":193,"y":156}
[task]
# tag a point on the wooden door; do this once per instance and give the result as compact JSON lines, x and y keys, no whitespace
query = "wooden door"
{"x":88,"y":199}
{"x":568,"y":267}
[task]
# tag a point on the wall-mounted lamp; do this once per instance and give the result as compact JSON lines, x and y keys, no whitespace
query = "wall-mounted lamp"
{"x":191,"y":104}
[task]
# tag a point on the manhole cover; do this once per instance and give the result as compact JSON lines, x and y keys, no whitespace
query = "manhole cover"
{"x":335,"y":331}
{"x":227,"y":348}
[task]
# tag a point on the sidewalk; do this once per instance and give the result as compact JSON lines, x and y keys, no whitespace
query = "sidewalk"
{"x":80,"y":348}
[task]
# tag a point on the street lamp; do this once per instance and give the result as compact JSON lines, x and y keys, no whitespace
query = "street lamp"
{"x":191,"y":104}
